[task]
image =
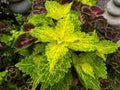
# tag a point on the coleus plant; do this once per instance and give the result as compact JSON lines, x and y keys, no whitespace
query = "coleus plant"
{"x":91,"y":16}
{"x":61,"y":44}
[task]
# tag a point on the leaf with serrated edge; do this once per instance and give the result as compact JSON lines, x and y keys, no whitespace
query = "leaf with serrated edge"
{"x":96,"y":62}
{"x":63,"y":84}
{"x":60,"y":68}
{"x":6,"y":39}
{"x":98,"y":67}
{"x":85,"y":42}
{"x":38,"y":68}
{"x":65,"y":30}
{"x":26,"y":65}
{"x":40,"y":20}
{"x":55,"y":10}
{"x":54,"y":52}
{"x":45,"y":34}
{"x":107,"y":47}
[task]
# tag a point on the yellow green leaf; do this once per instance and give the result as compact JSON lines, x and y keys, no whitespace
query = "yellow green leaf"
{"x":88,"y":2}
{"x":55,"y":10}
{"x":54,"y":53}
{"x":87,"y":68}
{"x":44,"y":34}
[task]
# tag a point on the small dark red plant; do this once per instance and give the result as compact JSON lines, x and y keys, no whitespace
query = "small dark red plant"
{"x":28,"y":27}
{"x":92,"y":13}
{"x":23,"y":40}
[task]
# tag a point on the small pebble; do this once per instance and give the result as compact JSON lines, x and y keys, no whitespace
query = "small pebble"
{"x":20,"y":7}
{"x":113,"y":21}
{"x":117,"y":2}
{"x":118,"y":42}
{"x":102,"y":3}
{"x":13,"y":1}
{"x":113,"y":9}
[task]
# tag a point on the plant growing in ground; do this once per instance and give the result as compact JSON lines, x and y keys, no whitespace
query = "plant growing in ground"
{"x":10,"y":25}
{"x":60,"y":45}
